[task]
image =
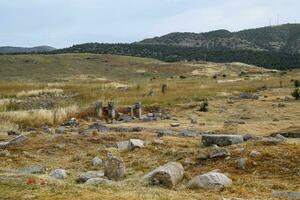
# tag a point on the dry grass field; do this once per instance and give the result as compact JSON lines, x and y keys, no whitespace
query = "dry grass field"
{"x":38,"y":90}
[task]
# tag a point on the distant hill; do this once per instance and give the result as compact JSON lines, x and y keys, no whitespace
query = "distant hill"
{"x":284,"y":38}
{"x":9,"y":49}
{"x":171,"y":53}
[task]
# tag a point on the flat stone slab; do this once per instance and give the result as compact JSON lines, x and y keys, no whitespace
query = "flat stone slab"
{"x":290,"y":134}
{"x":89,"y":175}
{"x":221,"y":140}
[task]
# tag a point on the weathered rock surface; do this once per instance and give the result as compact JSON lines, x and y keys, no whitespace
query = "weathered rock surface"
{"x":99,"y":127}
{"x":188,"y":133}
{"x":164,"y":132}
{"x":135,"y":143}
{"x":210,"y":180}
{"x":34,"y":169}
{"x":167,"y":175}
{"x":97,"y":161}
{"x":114,"y":167}
{"x":289,"y":134}
{"x":123,"y":145}
{"x":255,"y":154}
{"x":218,"y":152}
{"x":88,"y":175}
{"x":13,"y":141}
{"x":241,"y":163}
{"x":60,"y":130}
{"x":58,"y":174}
{"x":221,"y":140}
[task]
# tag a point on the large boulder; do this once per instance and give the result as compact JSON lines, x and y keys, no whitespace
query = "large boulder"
{"x":210,"y":180}
{"x":167,"y":175}
{"x":114,"y":167}
{"x":221,"y":140}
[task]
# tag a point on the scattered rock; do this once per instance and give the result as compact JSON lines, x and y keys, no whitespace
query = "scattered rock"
{"x":221,"y":140}
{"x":123,"y":145}
{"x":188,"y":133}
{"x":247,"y":95}
{"x":4,"y":153}
{"x":60,"y":130}
{"x":58,"y":174}
{"x":13,"y":141}
{"x":286,"y":194}
{"x":167,"y":175}
{"x":135,"y":143}
{"x":125,"y":118}
{"x":128,"y":130}
{"x":175,"y":124}
{"x":12,"y":132}
{"x":34,"y":169}
{"x":241,"y":163}
{"x":158,"y":142}
{"x":218,"y":152}
{"x":278,"y":139}
{"x":97,"y":161}
{"x":97,"y":181}
{"x":164,"y":132}
{"x":210,"y":180}
{"x":114,"y":167}
{"x":72,"y":122}
{"x":194,"y":120}
{"x":239,"y":150}
{"x":88,"y":175}
{"x":202,"y":156}
{"x":249,"y":136}
{"x":255,"y":154}
{"x":290,"y":134}
{"x":99,"y":127}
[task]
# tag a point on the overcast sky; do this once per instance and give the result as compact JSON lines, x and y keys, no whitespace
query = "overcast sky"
{"x":62,"y":23}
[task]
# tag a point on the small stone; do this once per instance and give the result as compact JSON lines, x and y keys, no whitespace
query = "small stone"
{"x":219,"y":153}
{"x":88,"y":175}
{"x":97,"y":161}
{"x":123,"y":145}
{"x":241,"y":163}
{"x":163,"y":132}
{"x":58,"y":174}
{"x":174,"y":124}
{"x":254,"y":153}
{"x":188,"y":133}
{"x":202,"y":156}
{"x":249,"y":136}
{"x":4,"y":153}
{"x":60,"y":130}
{"x":158,"y":142}
{"x":239,"y":150}
{"x":114,"y":167}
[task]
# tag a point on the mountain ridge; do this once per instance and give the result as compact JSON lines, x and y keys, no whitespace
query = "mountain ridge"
{"x":12,"y":49}
{"x":283,"y":38}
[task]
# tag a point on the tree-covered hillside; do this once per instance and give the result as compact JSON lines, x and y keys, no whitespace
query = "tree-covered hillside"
{"x":170,"y":53}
